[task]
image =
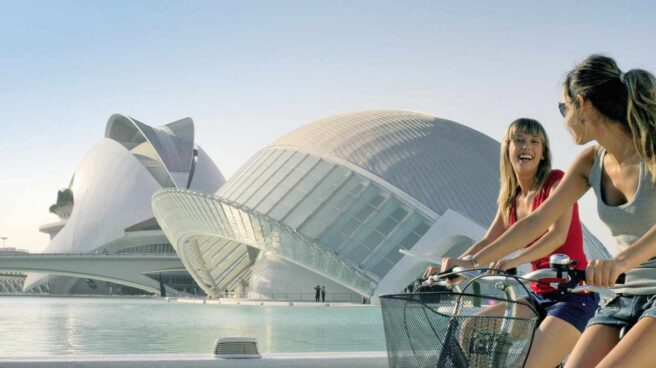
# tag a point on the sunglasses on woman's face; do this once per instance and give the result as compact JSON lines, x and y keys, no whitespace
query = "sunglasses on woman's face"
{"x":563,"y":108}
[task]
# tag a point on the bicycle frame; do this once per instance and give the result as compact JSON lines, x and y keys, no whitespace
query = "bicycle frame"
{"x":508,"y":285}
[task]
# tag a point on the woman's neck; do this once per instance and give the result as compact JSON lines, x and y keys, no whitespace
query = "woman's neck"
{"x":527,"y":184}
{"x":619,"y":144}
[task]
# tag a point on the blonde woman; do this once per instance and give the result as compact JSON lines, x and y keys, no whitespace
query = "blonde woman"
{"x":527,"y":180}
{"x":618,"y":111}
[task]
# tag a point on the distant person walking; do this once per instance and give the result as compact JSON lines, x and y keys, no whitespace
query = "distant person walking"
{"x":323,"y":293}
{"x":317,"y":293}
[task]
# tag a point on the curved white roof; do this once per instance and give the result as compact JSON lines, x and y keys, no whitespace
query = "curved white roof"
{"x":173,"y":142}
{"x":439,"y":162}
{"x":114,"y":182}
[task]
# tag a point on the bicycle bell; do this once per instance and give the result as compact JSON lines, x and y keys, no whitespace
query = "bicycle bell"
{"x":559,"y":261}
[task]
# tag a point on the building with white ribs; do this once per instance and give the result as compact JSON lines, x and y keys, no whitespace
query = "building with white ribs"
{"x":333,"y":202}
{"x":107,"y":206}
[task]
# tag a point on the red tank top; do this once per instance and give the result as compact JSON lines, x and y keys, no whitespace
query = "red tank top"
{"x":573,"y":245}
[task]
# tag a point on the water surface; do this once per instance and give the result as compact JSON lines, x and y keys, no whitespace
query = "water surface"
{"x":55,"y":326}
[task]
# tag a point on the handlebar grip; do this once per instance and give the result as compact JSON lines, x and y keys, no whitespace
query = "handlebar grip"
{"x":511,"y":271}
{"x":579,"y":275}
{"x":447,"y":272}
{"x":437,"y":277}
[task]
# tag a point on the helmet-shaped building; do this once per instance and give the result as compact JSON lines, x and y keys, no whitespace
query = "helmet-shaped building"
{"x":107,"y":206}
{"x":334,"y":201}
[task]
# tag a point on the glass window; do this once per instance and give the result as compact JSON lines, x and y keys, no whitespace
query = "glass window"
{"x":319,"y":194}
{"x":346,"y":201}
{"x":328,"y":213}
{"x":394,"y":255}
{"x":247,"y":181}
{"x":312,"y":229}
{"x":321,"y":169}
{"x":387,"y":225}
{"x":359,"y":253}
{"x":350,"y":227}
{"x":399,"y":213}
{"x":373,"y":239}
{"x":364,"y":213}
{"x":298,"y":192}
{"x":252,"y":187}
{"x":382,"y":267}
{"x":247,"y":169}
{"x":281,"y":183}
{"x":338,"y":241}
{"x":280,"y":210}
{"x":421,"y":228}
{"x":409,"y":241}
{"x":348,"y":220}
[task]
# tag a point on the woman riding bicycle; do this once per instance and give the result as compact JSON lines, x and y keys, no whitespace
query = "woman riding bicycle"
{"x":527,"y":180}
{"x":618,"y":111}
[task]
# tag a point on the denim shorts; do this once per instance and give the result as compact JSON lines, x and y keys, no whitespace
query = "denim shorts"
{"x":575,"y":309}
{"x":625,"y":310}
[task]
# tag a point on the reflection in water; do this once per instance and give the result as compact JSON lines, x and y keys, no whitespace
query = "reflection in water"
{"x":73,"y":326}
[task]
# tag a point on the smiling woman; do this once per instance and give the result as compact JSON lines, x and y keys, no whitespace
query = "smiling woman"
{"x":524,"y":153}
{"x":527,"y":180}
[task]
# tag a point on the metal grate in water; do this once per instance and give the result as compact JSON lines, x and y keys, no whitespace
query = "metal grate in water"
{"x":236,"y":348}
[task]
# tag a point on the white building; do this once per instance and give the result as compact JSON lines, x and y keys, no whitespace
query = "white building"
{"x":107,"y":206}
{"x":334,"y":201}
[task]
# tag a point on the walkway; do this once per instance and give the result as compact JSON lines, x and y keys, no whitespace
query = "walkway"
{"x":122,"y":268}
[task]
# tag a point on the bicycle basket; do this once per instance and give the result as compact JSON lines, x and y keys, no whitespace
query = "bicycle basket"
{"x":454,"y":330}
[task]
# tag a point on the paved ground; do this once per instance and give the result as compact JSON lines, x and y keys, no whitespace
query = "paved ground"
{"x":280,"y":360}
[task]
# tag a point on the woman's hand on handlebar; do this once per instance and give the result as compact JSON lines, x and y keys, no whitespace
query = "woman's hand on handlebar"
{"x":447,"y":265}
{"x":431,"y":271}
{"x":503,"y":265}
{"x":604,"y":272}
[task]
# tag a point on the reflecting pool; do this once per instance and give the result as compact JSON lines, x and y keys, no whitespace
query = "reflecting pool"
{"x":49,"y":326}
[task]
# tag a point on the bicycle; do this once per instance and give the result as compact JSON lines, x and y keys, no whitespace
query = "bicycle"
{"x":450,"y":329}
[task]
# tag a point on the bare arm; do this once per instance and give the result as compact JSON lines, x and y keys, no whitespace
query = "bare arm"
{"x":641,"y":251}
{"x":552,"y":240}
{"x":571,"y":188}
{"x":604,"y":272}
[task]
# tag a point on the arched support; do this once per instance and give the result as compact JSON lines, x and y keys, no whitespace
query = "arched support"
{"x":188,"y":219}
{"x":126,"y":270}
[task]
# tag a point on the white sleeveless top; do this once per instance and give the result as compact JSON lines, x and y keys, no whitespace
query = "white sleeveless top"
{"x":629,"y":222}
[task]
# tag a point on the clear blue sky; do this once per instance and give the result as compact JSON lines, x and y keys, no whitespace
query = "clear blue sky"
{"x":247,"y":72}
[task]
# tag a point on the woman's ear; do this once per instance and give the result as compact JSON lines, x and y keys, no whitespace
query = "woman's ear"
{"x":582,"y":102}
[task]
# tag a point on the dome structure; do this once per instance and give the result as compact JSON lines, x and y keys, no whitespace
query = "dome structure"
{"x":334,"y":202}
{"x":107,"y":206}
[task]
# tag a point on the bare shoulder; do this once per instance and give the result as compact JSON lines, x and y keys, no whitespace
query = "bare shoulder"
{"x":579,"y":169}
{"x":582,"y":163}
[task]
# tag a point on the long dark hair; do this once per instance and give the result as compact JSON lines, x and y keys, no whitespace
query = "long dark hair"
{"x":625,"y":98}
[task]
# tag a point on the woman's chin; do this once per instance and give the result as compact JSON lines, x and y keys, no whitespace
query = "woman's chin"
{"x":522,"y":170}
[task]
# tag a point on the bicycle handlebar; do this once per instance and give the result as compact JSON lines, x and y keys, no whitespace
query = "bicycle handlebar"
{"x":572,"y":276}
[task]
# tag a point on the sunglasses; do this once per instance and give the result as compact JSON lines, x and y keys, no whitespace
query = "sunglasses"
{"x":563,"y":108}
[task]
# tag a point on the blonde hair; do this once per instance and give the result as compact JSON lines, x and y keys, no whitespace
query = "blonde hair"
{"x":509,"y":187}
{"x":626,"y":98}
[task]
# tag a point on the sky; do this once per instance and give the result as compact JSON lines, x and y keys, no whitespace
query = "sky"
{"x":248,"y":72}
